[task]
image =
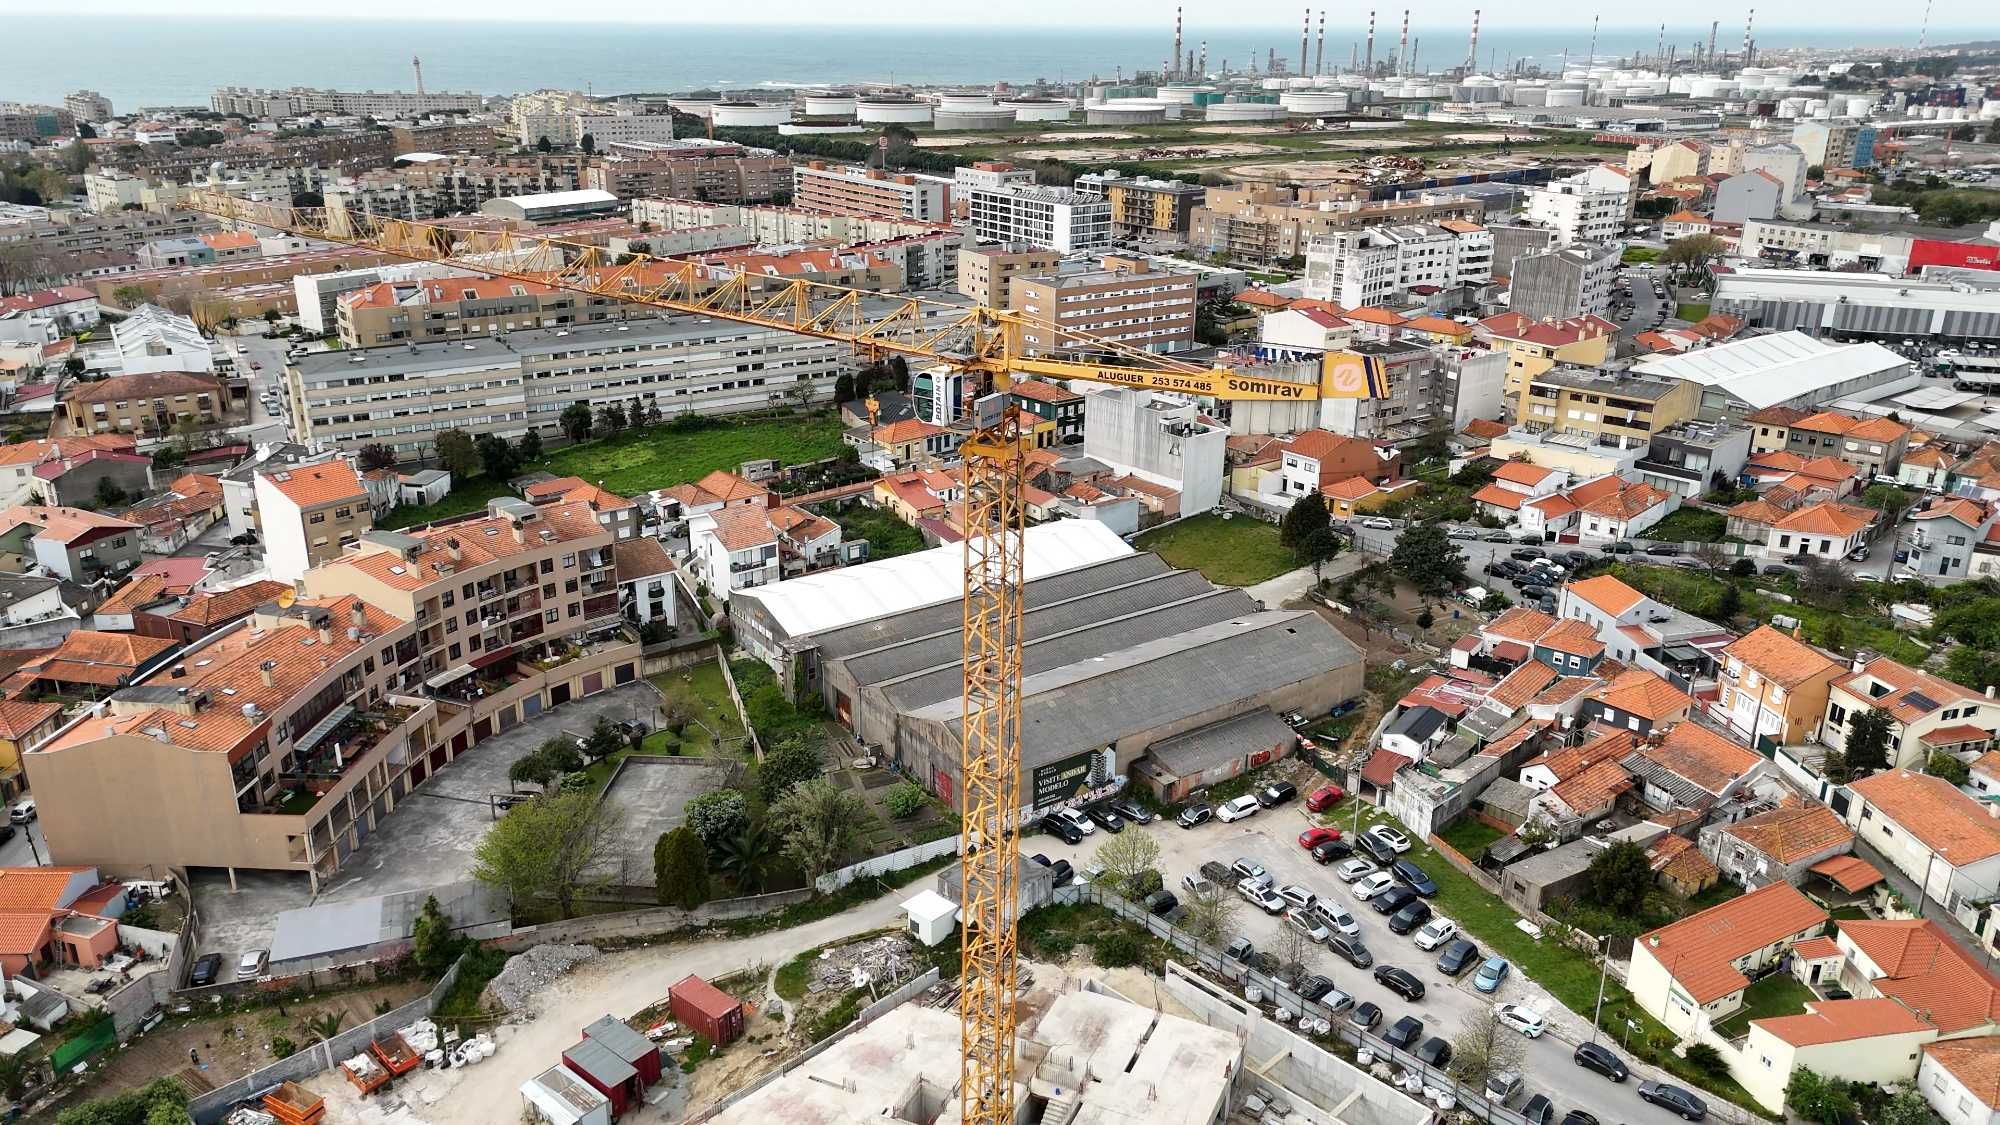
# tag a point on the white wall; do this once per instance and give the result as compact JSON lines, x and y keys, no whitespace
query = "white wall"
{"x":284,"y":532}
{"x":1950,"y":1098}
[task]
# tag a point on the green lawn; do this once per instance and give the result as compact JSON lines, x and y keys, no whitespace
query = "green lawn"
{"x":1690,"y":525}
{"x":707,"y":696}
{"x":1775,"y":995}
{"x":1854,"y":626}
{"x":1471,"y":837}
{"x":1233,"y":552}
{"x":652,"y":457}
{"x":1690,"y":311}
{"x":887,"y":536}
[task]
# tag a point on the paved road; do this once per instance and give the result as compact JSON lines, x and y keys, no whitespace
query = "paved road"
{"x":264,"y":425}
{"x":1270,"y":838}
{"x":1648,"y":310}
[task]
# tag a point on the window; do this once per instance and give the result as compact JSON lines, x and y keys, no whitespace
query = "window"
{"x":455,"y":651}
{"x":552,"y":616}
{"x":569,"y":563}
{"x":448,"y":599}
{"x":549,"y":565}
{"x":316,"y":517}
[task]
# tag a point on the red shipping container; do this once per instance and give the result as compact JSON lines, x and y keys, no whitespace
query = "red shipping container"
{"x":706,"y":1009}
{"x":607,"y":1073}
{"x":619,"y":1038}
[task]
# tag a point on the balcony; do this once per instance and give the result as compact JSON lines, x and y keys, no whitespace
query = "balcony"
{"x":332,"y":750}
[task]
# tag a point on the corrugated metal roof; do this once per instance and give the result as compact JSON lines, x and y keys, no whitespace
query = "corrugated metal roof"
{"x":1767,"y":370}
{"x":1205,"y":748}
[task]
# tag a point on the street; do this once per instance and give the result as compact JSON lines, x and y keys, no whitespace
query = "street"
{"x":1648,"y":310}
{"x":264,"y":425}
{"x":1271,"y":838}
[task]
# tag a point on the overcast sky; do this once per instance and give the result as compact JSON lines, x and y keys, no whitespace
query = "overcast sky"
{"x":1860,"y":14}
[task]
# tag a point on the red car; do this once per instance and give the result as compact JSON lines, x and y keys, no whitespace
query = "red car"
{"x":1325,"y":797}
{"x":1313,"y":836}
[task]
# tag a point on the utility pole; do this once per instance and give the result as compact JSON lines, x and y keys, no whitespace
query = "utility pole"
{"x":1603,"y":963}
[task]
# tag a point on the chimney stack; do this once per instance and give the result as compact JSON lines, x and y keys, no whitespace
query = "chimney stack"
{"x":1305,"y":36}
{"x":1403,"y":46}
{"x":1369,"y":67}
{"x":1749,"y":21}
{"x":1319,"y":46}
{"x":1177,"y":35}
{"x":265,"y":669}
{"x":1472,"y":52}
{"x":358,"y":614}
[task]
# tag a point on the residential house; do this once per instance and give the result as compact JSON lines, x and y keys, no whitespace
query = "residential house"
{"x":737,"y":548}
{"x":1928,"y":713}
{"x":1581,"y":782}
{"x":909,"y":444}
{"x":1680,"y":866}
{"x":70,"y":543}
{"x":917,"y":494}
{"x":1771,"y":428}
{"x":1358,"y":496}
{"x":1943,"y":840}
{"x":1638,"y":701}
{"x":1691,"y":974}
{"x":1693,"y":767}
{"x":1824,"y":530}
{"x":92,"y":476}
{"x":1695,"y":458}
{"x":89,"y":664}
{"x":189,"y":618}
{"x":1057,"y":405}
{"x":1515,"y":483}
{"x":192,"y":504}
{"x":1926,"y":467}
{"x":1534,"y":346}
{"x":22,"y":725}
{"x":26,"y":599}
{"x":51,"y":918}
{"x":1874,"y":445}
{"x":1915,"y":962}
{"x":712,"y":493}
{"x":1960,"y":1078}
{"x":1416,"y":732}
{"x":1774,"y":687}
{"x":152,"y":404}
{"x":18,"y":461}
{"x":1828,"y":477}
{"x":1946,"y":533}
{"x":1642,"y":633}
{"x":309,"y":514}
{"x":646,"y":584}
{"x":1317,"y":458}
{"x":1876,"y":1040}
{"x":1626,"y":511}
{"x":1781,"y":845}
{"x":615,"y":513}
{"x":1570,"y":647}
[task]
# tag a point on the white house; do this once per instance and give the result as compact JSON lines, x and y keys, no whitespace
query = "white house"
{"x":645,"y":581}
{"x":1933,"y":833}
{"x":426,"y":487}
{"x":1692,"y":973}
{"x":732,"y":549}
{"x":1960,"y":1078}
{"x":1625,"y":512}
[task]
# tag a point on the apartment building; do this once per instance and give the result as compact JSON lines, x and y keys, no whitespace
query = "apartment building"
{"x":299,"y":101}
{"x":1125,"y":300}
{"x":818,"y":186}
{"x":1270,"y":224}
{"x":1577,"y":212}
{"x":149,"y":403}
{"x":774,"y":224}
{"x":1143,"y":207}
{"x":1565,"y":282}
{"x":549,"y":115}
{"x":88,"y":105}
{"x":986,"y":273}
{"x":309,"y":514}
{"x":987,"y":175}
{"x":1050,"y":218}
{"x":1875,"y":445}
{"x":622,"y":126}
{"x":717,"y":174}
{"x":1380,"y":265}
{"x":1619,"y":411}
{"x":1773,"y":687}
{"x":453,"y":136}
{"x":392,"y":312}
{"x":1834,"y":145}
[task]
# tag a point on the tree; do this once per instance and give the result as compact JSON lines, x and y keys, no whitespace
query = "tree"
{"x":1428,"y":559}
{"x":1128,"y":855}
{"x":1308,"y":514}
{"x":128,"y":296}
{"x":497,"y":458}
{"x":1620,"y":877}
{"x":1947,"y":767}
{"x":817,"y":823}
{"x":542,"y":144}
{"x":1730,"y":602}
{"x":588,"y":144}
{"x":1319,"y":548}
{"x":1482,"y":1048}
{"x":747,"y":857}
{"x":611,"y":419}
{"x":531,"y":445}
{"x":576,"y":420}
{"x":532,"y":768}
{"x":1824,"y":582}
{"x":1210,"y":914}
{"x":326,"y":1025}
{"x":460,"y":455}
{"x":1692,"y":253}
{"x":1972,"y":667}
{"x":1711,"y":556}
{"x":843,"y":388}
{"x":376,"y":455}
{"x":1887,"y":497}
{"x":680,"y":868}
{"x":432,"y":943}
{"x":789,"y":763}
{"x":1833,"y":766}
{"x":1817,"y":1098}
{"x":1867,"y":742}
{"x":108,"y":494}
{"x":308,"y":199}
{"x":1706,"y":1060}
{"x":1907,"y":1107}
{"x":717,"y":816}
{"x":549,"y":848}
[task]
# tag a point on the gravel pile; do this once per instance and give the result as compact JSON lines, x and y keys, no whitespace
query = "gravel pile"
{"x":527,"y":974}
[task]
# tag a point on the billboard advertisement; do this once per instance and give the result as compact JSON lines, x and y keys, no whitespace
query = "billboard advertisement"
{"x":1060,"y":780}
{"x":1352,"y":375}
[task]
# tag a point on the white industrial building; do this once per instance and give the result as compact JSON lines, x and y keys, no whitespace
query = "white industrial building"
{"x":1858,"y":304}
{"x":1783,"y":368}
{"x":152,"y":339}
{"x":1159,"y":439}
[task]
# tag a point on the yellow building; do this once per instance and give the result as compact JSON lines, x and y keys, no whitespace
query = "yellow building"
{"x":1620,"y":411}
{"x":22,"y":725}
{"x":1774,"y":687}
{"x":1535,"y":346}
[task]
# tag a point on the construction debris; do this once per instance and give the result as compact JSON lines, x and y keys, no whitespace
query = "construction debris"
{"x":529,"y":973}
{"x":884,"y":961}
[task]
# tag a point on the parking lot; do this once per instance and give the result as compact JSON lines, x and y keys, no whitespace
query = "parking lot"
{"x":1271,"y":838}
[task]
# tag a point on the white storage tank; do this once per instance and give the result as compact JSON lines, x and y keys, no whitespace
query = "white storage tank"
{"x":1558,"y":96}
{"x":1531,"y":93}
{"x":1859,"y":105}
{"x":1182,"y":94}
{"x":1325,"y":81}
{"x":829,"y":105}
{"x":1038,"y":109}
{"x":820,"y":126}
{"x":1790,"y":108}
{"x":1131,"y":111}
{"x":754,"y":114}
{"x":1246,"y":111}
{"x":965,"y":99}
{"x":992,"y":117}
{"x":1817,"y":107}
{"x":697,"y":107}
{"x":1298,"y":83}
{"x":883,"y":110}
{"x":1274,"y":83}
{"x":1314,"y":101}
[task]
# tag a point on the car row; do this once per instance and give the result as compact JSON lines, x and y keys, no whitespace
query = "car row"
{"x":1073,"y":824}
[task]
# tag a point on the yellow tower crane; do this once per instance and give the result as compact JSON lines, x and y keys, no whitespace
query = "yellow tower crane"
{"x":982,"y":341}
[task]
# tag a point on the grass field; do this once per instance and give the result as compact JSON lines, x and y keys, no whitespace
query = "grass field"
{"x":887,"y":536}
{"x":1690,"y":525}
{"x":1234,"y":552}
{"x":1690,"y":311}
{"x":651,"y":457}
{"x":1849,"y":629}
{"x":1775,"y":995}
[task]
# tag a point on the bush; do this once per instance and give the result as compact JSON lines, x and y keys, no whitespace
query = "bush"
{"x":1706,"y":1060}
{"x":1145,"y":883}
{"x":1744,"y":568}
{"x":1115,"y":950}
{"x":906,"y":800}
{"x":282,"y":1047}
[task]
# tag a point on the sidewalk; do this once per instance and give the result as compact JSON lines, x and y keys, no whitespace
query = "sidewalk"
{"x":1293,"y":584}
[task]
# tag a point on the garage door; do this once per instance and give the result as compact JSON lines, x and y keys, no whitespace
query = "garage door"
{"x":558,"y":694}
{"x":531,"y":706}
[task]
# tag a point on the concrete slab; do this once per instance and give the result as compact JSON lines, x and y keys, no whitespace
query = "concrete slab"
{"x":650,"y":796}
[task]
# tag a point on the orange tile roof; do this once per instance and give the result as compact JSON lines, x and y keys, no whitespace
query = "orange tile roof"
{"x":1827,"y":422}
{"x":548,"y":489}
{"x":1439,"y":326}
{"x":1824,"y":518}
{"x":640,"y":558}
{"x":1578,"y":638}
{"x":1522,"y":684}
{"x":41,"y":449}
{"x":1505,"y":744}
{"x":479,"y":541}
{"x":740,"y":529}
{"x":1778,"y":656}
{"x":1928,"y":457}
{"x":1595,"y":490}
{"x":209,"y":610}
{"x":799,"y":525}
{"x":1484,"y":428}
{"x":1841,"y":1021}
{"x":1521,"y":472}
{"x":1594,"y":787}
{"x":1552,"y":507}
{"x":1793,"y":833}
{"x":1568,"y":761}
{"x":1381,"y":767}
{"x":1815,"y":948}
{"x":1261,"y":298}
{"x":1879,"y":429}
{"x":1606,"y":593}
{"x":1928,"y":971}
{"x":17,"y":719}
{"x":1933,"y":810}
{"x":1043,"y":392}
{"x":1909,"y":689}
{"x":1697,"y":950}
{"x":1520,"y":624}
{"x":62,"y":525}
{"x":1500,"y":497}
{"x":1988,"y":763}
{"x":1974,"y":1062}
{"x":144,"y":384}
{"x":1627,"y":503}
{"x":1676,"y":857}
{"x":1851,"y":873}
{"x":1639,"y":692}
{"x":1564,"y":690}
{"x":1351,"y":489}
{"x":1701,"y":756}
{"x":1957,"y":733}
{"x":310,"y":486}
{"x":1967,"y":511}
{"x":1375,"y":314}
{"x":909,"y":429}
{"x":1318,"y":445}
{"x":728,"y":487}
{"x":140,"y":591}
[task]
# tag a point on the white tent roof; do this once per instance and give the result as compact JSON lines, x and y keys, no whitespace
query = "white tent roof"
{"x":1767,"y":370}
{"x":834,"y":598}
{"x":928,"y":906}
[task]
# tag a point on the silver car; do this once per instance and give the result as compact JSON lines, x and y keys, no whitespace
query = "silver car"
{"x":1261,"y":895}
{"x":1354,"y":869}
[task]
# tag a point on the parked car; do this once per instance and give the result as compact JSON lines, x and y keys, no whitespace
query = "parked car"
{"x":1490,"y":974}
{"x":1579,"y":1117}
{"x":1410,"y":915}
{"x":1370,"y":886}
{"x":1396,"y":841}
{"x":1277,"y":793}
{"x":1063,"y":830}
{"x":1131,"y":810}
{"x":1104,"y":818}
{"x":1351,"y":947}
{"x":1336,"y":917}
{"x":1618,"y":549}
{"x":1305,"y":923}
{"x":1526,"y":554}
{"x":1062,"y":873}
{"x":251,"y":963}
{"x":1598,"y":1057}
{"x":1436,"y":932}
{"x":1297,"y":896}
{"x":1074,"y":819}
{"x":1194,"y":884}
{"x":1315,"y":986}
{"x":1364,"y":1016}
{"x":1525,"y":1020}
{"x":1161,"y":902}
{"x":1195,"y":814}
{"x":1237,"y":808}
{"x":1663,"y":549}
{"x":1404,"y":1032}
{"x":1261,"y":896}
{"x":1539,"y":1110}
{"x":1377,"y":850}
{"x":1240,"y":950}
{"x":23,"y":812}
{"x":205,"y":969}
{"x":1324,"y":798}
{"x":1673,"y":1099}
{"x":1326,"y":851}
{"x":1392,"y":900}
{"x":1777,"y":570}
{"x":1461,"y":533}
{"x":1402,"y":982}
{"x":1354,"y":870}
{"x":1247,"y":868}
{"x":1498,"y":537}
{"x":1313,"y":836}
{"x":1378,"y":524}
{"x":1434,"y":1052}
{"x":1413,"y":877}
{"x":1458,"y":954}
{"x":1503,"y":1086}
{"x":7,"y":831}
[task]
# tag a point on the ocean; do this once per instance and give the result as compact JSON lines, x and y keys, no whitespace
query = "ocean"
{"x":155,"y":61}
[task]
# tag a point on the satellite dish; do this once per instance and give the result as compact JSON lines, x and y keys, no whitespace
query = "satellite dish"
{"x":286,"y":599}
